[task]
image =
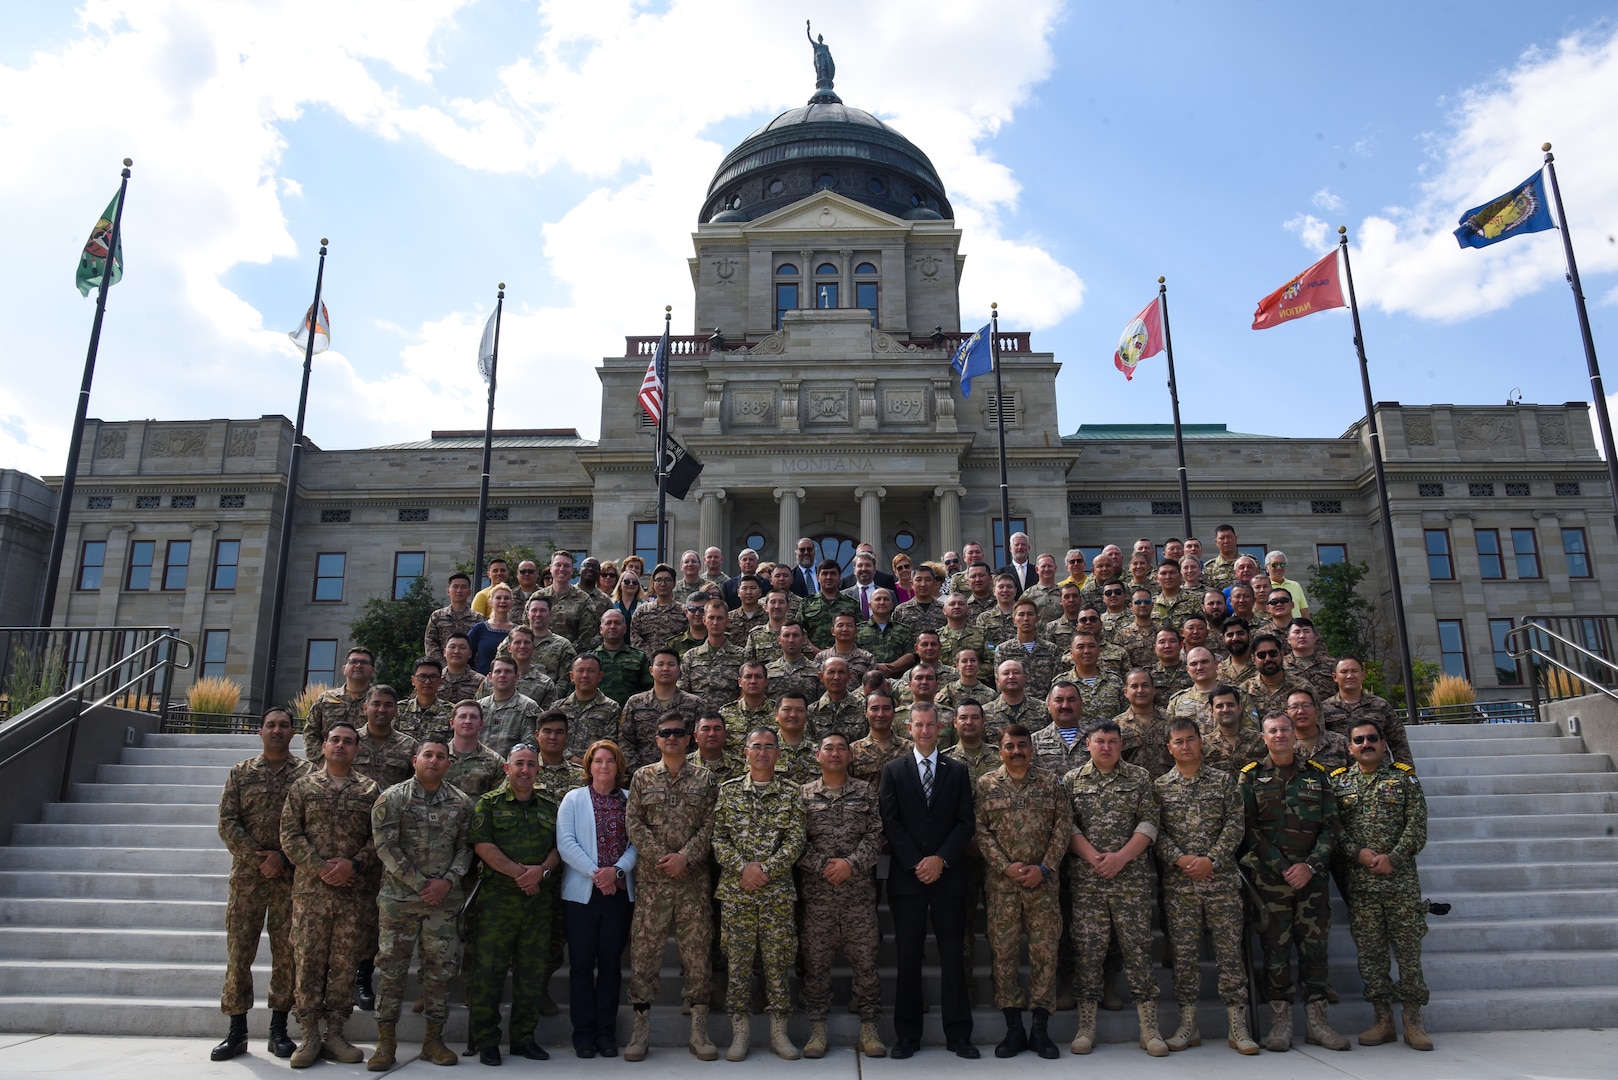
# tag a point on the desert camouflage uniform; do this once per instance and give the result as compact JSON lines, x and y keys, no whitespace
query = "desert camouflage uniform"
{"x":916,"y":617}
{"x":817,"y":613}
{"x":1029,"y":712}
{"x":739,"y":720}
{"x":1053,"y":754}
{"x":1059,"y":632}
{"x":764,"y":644}
{"x":508,"y":722}
{"x":250,"y":822}
{"x":671,"y":814}
{"x":1316,"y":671}
{"x":742,"y":625}
{"x":443,"y":623}
{"x":1175,"y":612}
{"x":1386,"y":812}
{"x":418,"y":721}
{"x":589,"y":721}
{"x":1202,"y":816}
{"x":1101,"y":697}
{"x":1041,"y":663}
{"x":976,"y":606}
{"x":1146,"y":743}
{"x":623,"y":673}
{"x":846,"y":716}
{"x":1339,"y":716}
{"x":1194,"y":704}
{"x":467,"y":685}
{"x":476,"y":772}
{"x":333,"y":705}
{"x":637,"y":727}
{"x":711,"y":673}
{"x":859,"y":662}
{"x":802,"y":677}
{"x":885,"y":646}
{"x":1110,"y":809}
{"x":726,"y":767}
{"x":952,"y":641}
{"x":387,"y":761}
{"x":1264,"y":700}
{"x":866,"y":758}
{"x":1169,"y":681}
{"x":797,"y":764}
{"x":1023,"y":821}
{"x":840,"y":823}
{"x":554,"y":655}
{"x":1138,"y":643}
{"x":1327,"y":749}
{"x":1233,"y":674}
{"x":760,"y":823}
{"x":653,"y":627}
{"x":1219,"y":752}
{"x":946,"y":676}
{"x":1219,"y":572}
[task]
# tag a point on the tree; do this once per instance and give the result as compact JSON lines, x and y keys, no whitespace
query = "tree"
{"x":393,"y":630}
{"x":1342,"y":616}
{"x":513,"y":553}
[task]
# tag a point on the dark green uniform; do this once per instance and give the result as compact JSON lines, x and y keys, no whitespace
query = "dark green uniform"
{"x":1386,"y":812}
{"x":624,"y":673}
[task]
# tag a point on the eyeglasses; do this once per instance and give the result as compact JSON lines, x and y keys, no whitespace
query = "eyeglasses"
{"x":671,"y":733}
{"x":1277,"y":601}
{"x":1146,"y":601}
{"x":1366,"y":740}
{"x":530,"y":570}
{"x":1278,"y":562}
{"x":1300,"y":706}
{"x":1270,"y":654}
{"x":427,"y":676}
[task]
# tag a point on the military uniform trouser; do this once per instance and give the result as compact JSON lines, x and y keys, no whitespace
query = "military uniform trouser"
{"x":326,"y":946}
{"x":665,"y":906}
{"x":510,"y":932}
{"x":1389,"y":917}
{"x":759,"y":924}
{"x":401,"y":926}
{"x":1216,"y":904}
{"x":1298,"y":918}
{"x":841,"y":915}
{"x":1012,"y":912}
{"x":256,"y":903}
{"x":552,"y":961}
{"x":1102,"y":909}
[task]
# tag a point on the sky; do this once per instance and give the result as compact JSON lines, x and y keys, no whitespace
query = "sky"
{"x":565,"y":148}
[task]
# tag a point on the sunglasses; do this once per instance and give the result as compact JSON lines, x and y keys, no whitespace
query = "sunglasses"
{"x":1140,"y":601}
{"x":530,"y":747}
{"x":1277,"y":601}
{"x":1267,"y":655}
{"x":671,"y":733}
{"x":1366,"y":740}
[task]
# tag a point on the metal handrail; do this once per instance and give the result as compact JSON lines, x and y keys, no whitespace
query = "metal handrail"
{"x":1529,"y":651}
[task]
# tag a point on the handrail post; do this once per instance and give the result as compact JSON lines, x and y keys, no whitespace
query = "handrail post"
{"x":64,"y":789}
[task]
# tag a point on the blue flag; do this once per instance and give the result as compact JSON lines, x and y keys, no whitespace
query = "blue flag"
{"x":1521,"y":210}
{"x":975,"y":357}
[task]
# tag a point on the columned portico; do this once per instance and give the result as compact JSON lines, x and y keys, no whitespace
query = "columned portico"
{"x":710,"y":526}
{"x":871,"y":514}
{"x":789,"y":500}
{"x":949,"y":516}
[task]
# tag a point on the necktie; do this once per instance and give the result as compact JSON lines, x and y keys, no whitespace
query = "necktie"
{"x":865,"y":601}
{"x":927,"y":779}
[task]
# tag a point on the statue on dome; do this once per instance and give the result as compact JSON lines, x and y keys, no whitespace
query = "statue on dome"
{"x":825,"y":69}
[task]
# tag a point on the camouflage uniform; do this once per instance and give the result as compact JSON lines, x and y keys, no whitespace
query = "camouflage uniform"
{"x":1113,"y":621}
{"x":840,"y":823}
{"x":444,"y":623}
{"x":1219,"y":572}
{"x":328,"y":819}
{"x":509,"y":930}
{"x":797,"y":763}
{"x":946,"y":676}
{"x":739,"y":720}
{"x":917,"y":617}
{"x":742,"y":625}
{"x":1059,"y":632}
{"x":1328,"y":749}
{"x":997,"y":626}
{"x":1169,"y":681}
{"x":624,"y":673}
{"x":1049,"y":599}
{"x":976,"y":606}
{"x":982,"y":761}
{"x":950,"y":696}
{"x":952,"y":641}
{"x":1175,"y":612}
{"x":1138,"y":643}
{"x":764,"y":644}
{"x":1023,"y":821}
{"x":1202,"y":816}
{"x":418,"y":721}
{"x":1146,"y":743}
{"x":1053,"y":754}
{"x":859,"y":662}
{"x":762,"y":823}
{"x":802,"y":677}
{"x":1264,"y":700}
{"x":333,"y":705}
{"x":1231,"y":756}
{"x":570,"y":617}
{"x":1109,"y":810}
{"x":1316,"y":671}
{"x":554,"y":655}
{"x":589,"y":721}
{"x":534,"y":683}
{"x":715,"y":580}
{"x":885,"y":645}
{"x":1386,"y":812}
{"x":653,"y":627}
{"x":467,"y":685}
{"x":1101,"y":697}
{"x":1339,"y":716}
{"x":250,"y":822}
{"x":476,"y":772}
{"x":1232,"y":673}
{"x":866,"y":758}
{"x":711,"y":673}
{"x":671,"y":814}
{"x":999,"y":712}
{"x":725,"y":767}
{"x":508,"y":722}
{"x":1041,"y":663}
{"x":1194,"y":704}
{"x":817,"y":613}
{"x":1291,"y":818}
{"x":387,"y":761}
{"x":637,"y":727}
{"x":419,"y":835}
{"x":846,"y":716}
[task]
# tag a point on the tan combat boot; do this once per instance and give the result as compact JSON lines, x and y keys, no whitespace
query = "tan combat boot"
{"x":780,"y":1043}
{"x":640,"y":1038}
{"x":1187,"y":1034}
{"x":1415,"y":1034}
{"x":1241,"y":1037}
{"x":870,"y":1043}
{"x":740,"y":1034}
{"x":387,"y":1046}
{"x":337,"y":1047}
{"x":1381,"y":1029}
{"x":308,"y":1051}
{"x":701,"y":1045}
{"x":1280,"y":1036}
{"x":816,"y":1046}
{"x":432,"y":1045}
{"x":1319,"y":1031}
{"x":1150,"y":1040}
{"x":1085,"y":1040}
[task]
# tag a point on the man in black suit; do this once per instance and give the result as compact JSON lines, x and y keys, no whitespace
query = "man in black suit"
{"x":1021,"y":567}
{"x":882,"y":578}
{"x":928,"y":817}
{"x":804,"y":582}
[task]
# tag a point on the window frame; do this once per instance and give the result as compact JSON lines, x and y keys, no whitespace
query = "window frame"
{"x":998,"y":532}
{"x":1518,"y":555}
{"x":309,"y":647}
{"x":1448,"y":554}
{"x":1322,"y":562}
{"x":1499,"y":562}
{"x":402,"y":582}
{"x":1582,"y":552}
{"x":214,"y":668}
{"x":133,"y":565}
{"x":85,"y":566}
{"x":219,"y":565}
{"x":171,"y":566}
{"x":780,"y":308}
{"x":1498,"y":628}
{"x":647,"y":552}
{"x":1444,"y":654}
{"x":340,"y":578}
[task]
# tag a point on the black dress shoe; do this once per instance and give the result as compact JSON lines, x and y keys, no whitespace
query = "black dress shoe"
{"x":471,"y":1050}
{"x":489,"y":1055}
{"x":584,"y":1051}
{"x":965,"y":1050}
{"x":235,"y":1042}
{"x":531,"y":1051}
{"x":902,"y":1050}
{"x":607,"y":1046}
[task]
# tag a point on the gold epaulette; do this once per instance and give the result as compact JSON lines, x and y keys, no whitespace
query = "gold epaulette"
{"x":1317,"y":764}
{"x":1250,"y":766}
{"x":1402,"y":767}
{"x":1340,"y":770}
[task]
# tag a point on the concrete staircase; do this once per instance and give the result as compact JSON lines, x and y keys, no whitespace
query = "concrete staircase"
{"x":112,"y":908}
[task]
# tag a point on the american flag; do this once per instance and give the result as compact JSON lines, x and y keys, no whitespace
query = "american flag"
{"x":651,"y":387}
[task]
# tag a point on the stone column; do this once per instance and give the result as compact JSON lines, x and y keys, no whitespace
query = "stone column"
{"x":711,"y":524}
{"x":949,"y":517}
{"x":846,"y":283}
{"x":871,"y":514}
{"x":788,"y":526}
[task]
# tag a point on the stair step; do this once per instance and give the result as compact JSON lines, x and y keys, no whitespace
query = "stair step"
{"x":1522,"y":904}
{"x":1441,"y":879}
{"x":1536,"y":825}
{"x":199,"y":794}
{"x":1467,"y":747}
{"x":131,"y":813}
{"x":126,"y":836}
{"x":1512,"y":765}
{"x":188,"y":755}
{"x":164,"y":914}
{"x":1504,"y":807}
{"x":247,"y":744}
{"x":105,"y":886}
{"x":1443,"y":733}
{"x":116,"y":860}
{"x":1502,"y":935}
{"x":188,"y":945}
{"x":1549,"y":783}
{"x":211,"y":775}
{"x":1511,"y":850}
{"x":1482,"y":971}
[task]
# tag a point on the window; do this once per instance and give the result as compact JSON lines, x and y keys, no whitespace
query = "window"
{"x":1516,"y":491}
{"x":1568,"y":488}
{"x":183,"y":502}
{"x":320,"y":662}
{"x":329,"y":567}
{"x":1578,"y":555}
{"x":1084,"y":509}
{"x":138,"y":576}
{"x":215,"y":644}
{"x":1330,"y":554}
{"x":1439,"y":567}
{"x":148,"y":502}
{"x":1430,"y":491}
{"x":1490,"y":566}
{"x":646,"y":547}
{"x":786,"y":299}
{"x":1480,"y":491}
{"x":1255,"y":550}
{"x":412,"y":515}
{"x":1506,"y":671}
{"x":1452,"y":647}
{"x":1165,"y":508}
{"x":572,"y":513}
{"x":336,"y":517}
{"x":407,"y":567}
{"x":92,"y":559}
{"x":1524,"y":543}
{"x":826,"y":270}
{"x":175,"y":564}
{"x":1000,"y":556}
{"x":865,"y":297}
{"x":99,"y":502}
{"x":904,"y":539}
{"x":1325,"y":506}
{"x":1008,"y":411}
{"x":232,"y":502}
{"x":1247,"y":506}
{"x":756,"y":540}
{"x":503,"y":513}
{"x":227,"y":554}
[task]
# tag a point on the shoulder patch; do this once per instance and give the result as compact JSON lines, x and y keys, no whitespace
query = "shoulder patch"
{"x":1339,"y":771}
{"x":1402,"y":767}
{"x":1250,"y":766}
{"x":1317,"y":764}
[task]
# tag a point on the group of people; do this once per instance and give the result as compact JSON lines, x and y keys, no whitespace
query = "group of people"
{"x":769,"y":759}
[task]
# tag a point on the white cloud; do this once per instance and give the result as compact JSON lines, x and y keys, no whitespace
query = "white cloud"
{"x":1312,"y":231}
{"x":1327,"y":201}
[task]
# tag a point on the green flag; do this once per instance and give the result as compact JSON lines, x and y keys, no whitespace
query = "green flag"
{"x":93,"y":260}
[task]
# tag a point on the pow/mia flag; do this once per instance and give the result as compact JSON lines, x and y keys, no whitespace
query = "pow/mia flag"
{"x":682,"y":468}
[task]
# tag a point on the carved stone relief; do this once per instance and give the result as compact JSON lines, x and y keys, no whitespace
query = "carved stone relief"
{"x":752,"y":407}
{"x":1485,"y":429}
{"x":1552,"y":429}
{"x":175,"y":444}
{"x":111,"y":445}
{"x":243,"y":442}
{"x":828,"y":406}
{"x":903,"y":405}
{"x":1418,"y":429}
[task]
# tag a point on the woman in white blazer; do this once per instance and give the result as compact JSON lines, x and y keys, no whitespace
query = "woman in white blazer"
{"x":598,"y":891}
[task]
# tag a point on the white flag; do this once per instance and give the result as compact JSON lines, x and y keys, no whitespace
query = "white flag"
{"x":486,"y":350}
{"x":300,"y":336}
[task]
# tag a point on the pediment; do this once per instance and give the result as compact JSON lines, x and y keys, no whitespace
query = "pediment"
{"x":826,"y":211}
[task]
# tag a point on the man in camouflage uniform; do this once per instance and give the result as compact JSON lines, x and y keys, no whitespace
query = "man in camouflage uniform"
{"x":842,"y":841}
{"x":1352,"y":704}
{"x":591,"y":715}
{"x":837,"y":709}
{"x":1059,"y":630}
{"x":1200,"y":828}
{"x":658,"y":623}
{"x":669,"y":816}
{"x":1231,"y":742}
{"x":763,"y":641}
{"x":384,"y":756}
{"x":958,"y":633}
{"x":420,"y":831}
{"x":710,"y":670}
{"x":880,"y":745}
{"x":340,"y":703}
{"x":998,"y":621}
{"x":1169,"y":674}
{"x":928,"y":651}
{"x":1173,"y":604}
{"x":326,"y":835}
{"x":1384,"y":826}
{"x":513,"y":832}
{"x":1045,"y":592}
{"x":553,"y":653}
{"x":1023,"y":824}
{"x":1192,"y":702}
{"x":816,"y":613}
{"x":713,"y":567}
{"x":758,"y":834}
{"x":1139,"y":636}
{"x":1041,"y":661}
{"x":532,"y":681}
{"x":971,"y":555}
{"x":1143,"y":725}
{"x":625,"y":671}
{"x":892,"y":645}
{"x":923,"y":685}
{"x":457,"y":618}
{"x":460,"y":682}
{"x":1291,"y":815}
{"x":570,"y":606}
{"x":1114,"y":821}
{"x":791,"y":669}
{"x":750,"y":615}
{"x":1059,"y":747}
{"x":923,"y":611}
{"x":844,"y":629}
{"x":751,"y":707}
{"x":797,"y":761}
{"x":1102,"y":690}
{"x":1237,"y":666}
{"x":260,"y":883}
{"x":473,"y":767}
{"x":422,"y":712}
{"x":1308,"y":659}
{"x":509,"y":716}
{"x":1269,"y":686}
{"x":1219,"y":572}
{"x":1325,"y":748}
{"x":1013,"y":705}
{"x":637,"y":728}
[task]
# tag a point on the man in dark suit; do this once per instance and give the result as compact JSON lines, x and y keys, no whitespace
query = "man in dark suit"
{"x":1021,"y":567}
{"x":881,"y":577}
{"x":927,"y":815}
{"x":804,"y":582}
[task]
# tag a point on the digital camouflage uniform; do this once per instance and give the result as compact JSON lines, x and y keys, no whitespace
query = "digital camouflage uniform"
{"x":508,"y":722}
{"x":1166,"y":612}
{"x":671,"y":814}
{"x":1327,"y":749}
{"x":802,"y":677}
{"x":1386,"y":812}
{"x":1234,"y":673}
{"x":1316,"y":671}
{"x":1053,"y":754}
{"x":946,"y":676}
{"x":846,"y":716}
{"x":1023,"y":821}
{"x":1202,"y":816}
{"x":637,"y":726}
{"x":797,"y":764}
{"x":1049,"y":599}
{"x":571,"y":617}
{"x":476,"y":772}
{"x":1291,"y":816}
{"x":982,"y":761}
{"x":885,"y":645}
{"x":1228,"y":755}
{"x":330,"y":706}
{"x":1194,"y":704}
{"x":715,"y":579}
{"x":1146,"y":741}
{"x":328,"y":819}
{"x":764,"y":644}
{"x":554,"y":655}
{"x":710,"y":673}
{"x":384,"y":762}
{"x":816,"y":615}
{"x":953,"y":694}
{"x":461,"y":686}
{"x":760,"y":823}
{"x":589,"y":721}
{"x":740,"y":719}
{"x":534,"y":683}
{"x":1110,"y":809}
{"x":727,"y":766}
{"x":866,"y":758}
{"x":250,"y":822}
{"x":859,"y":662}
{"x":653,"y":627}
{"x":1264,"y":700}
{"x":917,"y":617}
{"x":444,"y":623}
{"x":1219,"y":572}
{"x":508,"y":930}
{"x":997,"y":626}
{"x":419,"y":835}
{"x":624,"y":673}
{"x":1168,"y":681}
{"x":1138,"y":643}
{"x":999,"y":712}
{"x":1059,"y":632}
{"x":1339,"y":716}
{"x":1040,"y":660}
{"x":951,"y":641}
{"x":418,"y":721}
{"x":1100,"y":697}
{"x":980,"y":605}
{"x":742,"y":625}
{"x":840,"y":823}
{"x":1113,"y":621}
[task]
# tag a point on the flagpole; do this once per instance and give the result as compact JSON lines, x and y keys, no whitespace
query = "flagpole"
{"x":283,"y":553}
{"x":1596,"y":391}
{"x":1000,"y":421}
{"x":64,"y":499}
{"x":663,"y":437}
{"x":1174,"y":399}
{"x":488,"y":434}
{"x":1388,"y":550}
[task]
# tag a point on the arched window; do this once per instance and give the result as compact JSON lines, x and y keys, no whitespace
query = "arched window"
{"x":786,"y":292}
{"x":865,"y":289}
{"x":826,"y":268}
{"x":826,"y":275}
{"x":786,"y":270}
{"x":865,"y":268}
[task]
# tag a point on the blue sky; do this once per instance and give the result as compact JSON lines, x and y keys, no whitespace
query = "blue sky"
{"x":446,"y":145}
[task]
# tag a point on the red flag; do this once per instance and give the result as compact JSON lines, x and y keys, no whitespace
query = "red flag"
{"x":1316,"y":289}
{"x":1143,"y":337}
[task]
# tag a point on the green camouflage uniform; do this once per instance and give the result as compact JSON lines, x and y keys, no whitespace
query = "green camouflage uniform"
{"x":418,"y":721}
{"x":840,"y":823}
{"x":671,"y":814}
{"x":1146,"y":743}
{"x":444,"y":623}
{"x":653,"y":627}
{"x":797,"y":764}
{"x":917,"y":617}
{"x":1049,"y":599}
{"x":846,"y":716}
{"x":762,"y":823}
{"x":1339,"y":716}
{"x":950,"y":696}
{"x":1316,"y":671}
{"x":333,"y":705}
{"x":1101,"y":697}
{"x":1114,"y":621}
{"x":1059,"y":632}
{"x":508,"y":722}
{"x":1023,"y":821}
{"x":952,"y":641}
{"x":997,"y":626}
{"x":554,"y":655}
{"x":742,"y":625}
{"x":739,"y":720}
{"x":802,"y":677}
{"x":1231,"y":756}
{"x":1386,"y":812}
{"x":461,"y":686}
{"x":1029,"y":712}
{"x":980,"y":605}
{"x":1202,"y":816}
{"x":1110,"y":809}
{"x":476,"y":772}
{"x":1219,"y":572}
{"x":637,"y":727}
{"x":553,"y":782}
{"x":1138,"y":643}
{"x":534,"y":683}
{"x":1264,"y":700}
{"x":385,"y":763}
{"x":1040,"y":660}
{"x":817,"y":613}
{"x":764,"y":644}
{"x":866,"y":758}
{"x":1328,"y":749}
{"x":1194,"y":704}
{"x":624,"y":673}
{"x":1175,"y":612}
{"x":716,"y":580}
{"x":589,"y":721}
{"x":726,"y":767}
{"x":1232,"y":673}
{"x":570,"y":617}
{"x":859,"y":662}
{"x":885,"y":645}
{"x":1169,"y":681}
{"x":710,"y":673}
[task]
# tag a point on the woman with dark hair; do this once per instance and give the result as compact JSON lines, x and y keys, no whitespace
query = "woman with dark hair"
{"x":598,"y":889}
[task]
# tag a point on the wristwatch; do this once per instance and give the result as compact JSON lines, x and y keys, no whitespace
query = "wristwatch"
{"x":620,"y":873}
